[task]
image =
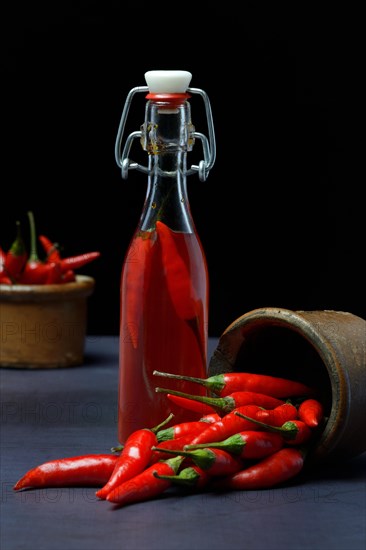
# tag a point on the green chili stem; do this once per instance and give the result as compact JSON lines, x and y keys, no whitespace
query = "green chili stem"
{"x":233,"y":444}
{"x":219,"y":403}
{"x":204,"y":458}
{"x":201,"y":381}
{"x":187,"y":477}
{"x":33,"y":256}
{"x":159,"y":426}
{"x":289,"y":433}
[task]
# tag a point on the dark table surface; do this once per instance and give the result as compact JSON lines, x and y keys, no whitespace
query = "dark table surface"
{"x":48,"y":414}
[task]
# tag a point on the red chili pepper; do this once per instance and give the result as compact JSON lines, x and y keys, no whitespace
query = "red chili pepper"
{"x":230,"y":382}
{"x":192,"y":477}
{"x":272,"y":470}
{"x":247,"y":444}
{"x":279,"y":415}
{"x":74,"y":262}
{"x":295,"y":432}
{"x":54,"y":275}
{"x":63,"y":268}
{"x":145,"y":485}
{"x":178,"y":430}
{"x":228,"y":425}
{"x":177,"y":275}
{"x":230,"y":402}
{"x":35,"y":271}
{"x":51,"y":249}
{"x":2,"y":260}
{"x":190,"y":405}
{"x":69,"y":276}
{"x":136,"y":273}
{"x":5,"y":280}
{"x":311,"y":411}
{"x":216,"y":462}
{"x":135,"y":456}
{"x":16,"y":257}
{"x":179,"y":284}
{"x":84,"y":470}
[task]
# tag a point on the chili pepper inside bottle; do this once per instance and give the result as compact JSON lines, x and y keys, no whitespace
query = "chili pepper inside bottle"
{"x":164,"y":281}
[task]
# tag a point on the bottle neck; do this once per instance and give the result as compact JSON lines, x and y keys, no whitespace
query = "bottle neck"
{"x":167,"y":136}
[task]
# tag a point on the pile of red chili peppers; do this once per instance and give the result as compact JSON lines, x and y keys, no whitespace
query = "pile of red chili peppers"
{"x":253,"y":434}
{"x":19,"y":267}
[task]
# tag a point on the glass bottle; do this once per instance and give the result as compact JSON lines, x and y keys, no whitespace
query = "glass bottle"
{"x":164,"y":280}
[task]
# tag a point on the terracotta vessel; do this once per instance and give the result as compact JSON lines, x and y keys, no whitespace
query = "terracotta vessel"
{"x":324,"y":349}
{"x":44,"y":326}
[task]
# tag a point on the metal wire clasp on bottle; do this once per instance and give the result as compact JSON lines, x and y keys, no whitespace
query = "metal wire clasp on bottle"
{"x":208,"y":145}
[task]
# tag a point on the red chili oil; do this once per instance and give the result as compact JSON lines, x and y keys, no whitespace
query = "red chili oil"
{"x":154,"y":337}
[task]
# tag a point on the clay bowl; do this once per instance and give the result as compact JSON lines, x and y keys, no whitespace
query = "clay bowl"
{"x":323,"y":349}
{"x":44,"y":326}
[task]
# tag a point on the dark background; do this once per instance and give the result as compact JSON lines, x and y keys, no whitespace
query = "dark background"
{"x":281,"y":216}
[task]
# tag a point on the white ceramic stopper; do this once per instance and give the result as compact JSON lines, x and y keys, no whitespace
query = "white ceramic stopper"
{"x":168,"y":82}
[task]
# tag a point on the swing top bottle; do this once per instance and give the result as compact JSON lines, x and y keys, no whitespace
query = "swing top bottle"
{"x":164,"y":281}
